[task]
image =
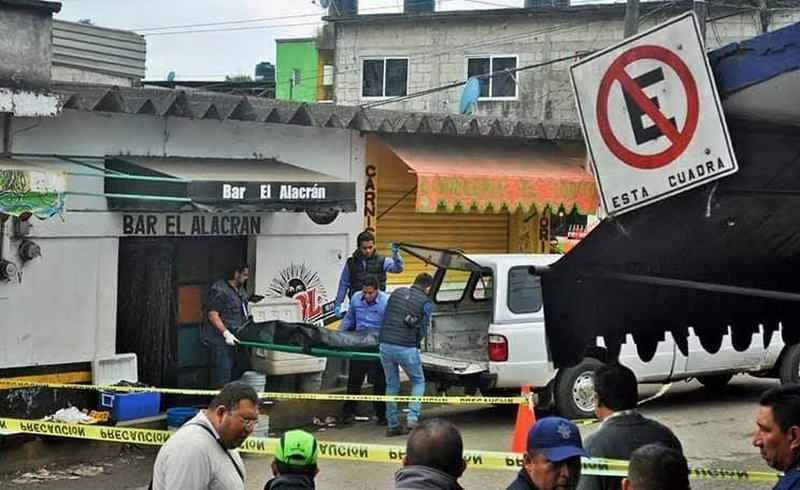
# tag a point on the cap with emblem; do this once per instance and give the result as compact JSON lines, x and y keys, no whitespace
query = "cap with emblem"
{"x":297,"y":449}
{"x":557,"y":438}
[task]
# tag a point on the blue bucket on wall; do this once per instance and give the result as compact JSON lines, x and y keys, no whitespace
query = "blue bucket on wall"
{"x":178,"y":416}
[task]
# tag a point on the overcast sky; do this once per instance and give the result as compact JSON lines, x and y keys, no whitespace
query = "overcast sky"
{"x":239,"y":46}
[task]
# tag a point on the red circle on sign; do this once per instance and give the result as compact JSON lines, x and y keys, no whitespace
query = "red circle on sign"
{"x":680,"y":139}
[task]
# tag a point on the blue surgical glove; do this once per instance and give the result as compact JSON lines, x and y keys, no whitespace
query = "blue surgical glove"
{"x":395,"y":249}
{"x":337,"y":311}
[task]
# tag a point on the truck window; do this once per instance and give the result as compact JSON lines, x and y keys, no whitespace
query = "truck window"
{"x":524,"y":291}
{"x":483,"y":289}
{"x":454,"y":284}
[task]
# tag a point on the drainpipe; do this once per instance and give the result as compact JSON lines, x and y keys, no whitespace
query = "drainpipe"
{"x":7,"y":117}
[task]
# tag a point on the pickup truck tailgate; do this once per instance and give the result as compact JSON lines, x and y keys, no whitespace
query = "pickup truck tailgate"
{"x":451,"y":365}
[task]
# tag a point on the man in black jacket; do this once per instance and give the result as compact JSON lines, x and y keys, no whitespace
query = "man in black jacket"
{"x":434,"y":458}
{"x":405,"y":323}
{"x":623,"y":429}
{"x":364,"y":262}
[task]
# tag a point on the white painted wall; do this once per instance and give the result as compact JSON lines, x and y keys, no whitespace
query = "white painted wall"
{"x":64,"y":309}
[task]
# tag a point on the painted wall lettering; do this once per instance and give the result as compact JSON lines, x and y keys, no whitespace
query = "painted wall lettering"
{"x":190,"y":225}
{"x":371,"y":199}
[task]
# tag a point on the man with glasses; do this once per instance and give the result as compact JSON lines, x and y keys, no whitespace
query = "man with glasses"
{"x":201,"y":454}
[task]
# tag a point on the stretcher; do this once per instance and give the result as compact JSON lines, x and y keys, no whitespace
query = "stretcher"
{"x":314,"y":351}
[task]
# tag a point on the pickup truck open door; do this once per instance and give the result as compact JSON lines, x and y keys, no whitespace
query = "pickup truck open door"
{"x":456,"y":345}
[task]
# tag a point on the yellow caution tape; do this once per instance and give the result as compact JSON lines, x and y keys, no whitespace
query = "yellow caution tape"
{"x":375,"y":453}
{"x":450,"y":400}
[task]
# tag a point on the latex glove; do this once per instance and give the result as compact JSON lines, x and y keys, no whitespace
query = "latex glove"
{"x":337,"y":311}
{"x":395,"y":249}
{"x":230,"y":339}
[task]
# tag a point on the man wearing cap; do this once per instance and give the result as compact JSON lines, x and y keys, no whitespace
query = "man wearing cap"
{"x":553,"y":458}
{"x":295,"y":464}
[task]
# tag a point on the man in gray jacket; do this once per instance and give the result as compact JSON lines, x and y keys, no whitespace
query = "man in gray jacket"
{"x":201,"y":456}
{"x":623,"y":429}
{"x":405,"y":324}
{"x":434,"y":458}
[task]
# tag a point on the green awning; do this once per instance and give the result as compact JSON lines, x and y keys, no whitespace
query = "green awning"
{"x":29,"y":189}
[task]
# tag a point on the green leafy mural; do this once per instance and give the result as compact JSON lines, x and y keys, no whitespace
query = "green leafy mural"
{"x":33,"y":192}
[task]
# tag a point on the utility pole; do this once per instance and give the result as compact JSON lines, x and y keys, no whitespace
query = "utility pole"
{"x":631,"y":17}
{"x":701,"y":10}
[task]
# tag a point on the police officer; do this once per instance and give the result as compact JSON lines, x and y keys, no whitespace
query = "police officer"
{"x":227,"y":311}
{"x":364,"y":262}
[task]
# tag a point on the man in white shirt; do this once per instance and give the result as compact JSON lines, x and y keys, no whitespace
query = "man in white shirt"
{"x":201,"y":456}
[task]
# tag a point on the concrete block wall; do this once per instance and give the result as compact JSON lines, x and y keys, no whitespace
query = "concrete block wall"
{"x":437,"y":48}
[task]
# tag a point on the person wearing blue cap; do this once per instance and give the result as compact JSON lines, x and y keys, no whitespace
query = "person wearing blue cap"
{"x":553,"y":457}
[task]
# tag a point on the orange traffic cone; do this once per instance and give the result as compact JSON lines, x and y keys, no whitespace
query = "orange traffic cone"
{"x":526,"y":418}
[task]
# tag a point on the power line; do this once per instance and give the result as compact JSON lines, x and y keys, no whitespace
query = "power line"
{"x":245,"y":21}
{"x":225,"y":22}
{"x":491,"y":4}
{"x":233,"y":29}
{"x":464,"y":82}
{"x":477,"y":44}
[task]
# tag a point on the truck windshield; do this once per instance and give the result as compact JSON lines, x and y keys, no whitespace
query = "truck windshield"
{"x":524,"y":291}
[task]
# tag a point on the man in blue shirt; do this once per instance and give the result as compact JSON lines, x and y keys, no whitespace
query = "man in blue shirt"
{"x":777,"y":433}
{"x":365,"y":314}
{"x":364,"y":262}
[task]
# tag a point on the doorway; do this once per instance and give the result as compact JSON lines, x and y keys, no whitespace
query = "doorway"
{"x":162,"y":287}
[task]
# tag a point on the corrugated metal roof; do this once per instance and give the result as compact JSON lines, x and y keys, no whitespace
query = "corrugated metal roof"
{"x":208,"y":105}
{"x":98,"y":49}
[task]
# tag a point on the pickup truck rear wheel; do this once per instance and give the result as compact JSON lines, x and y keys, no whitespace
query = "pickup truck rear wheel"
{"x":575,"y":397}
{"x":790,"y":365}
{"x":715,"y":382}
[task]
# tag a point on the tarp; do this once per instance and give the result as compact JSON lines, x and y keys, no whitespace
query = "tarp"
{"x":740,"y":65}
{"x":459,"y":172}
{"x":722,"y":258}
{"x":307,"y":336}
{"x":30,"y":189}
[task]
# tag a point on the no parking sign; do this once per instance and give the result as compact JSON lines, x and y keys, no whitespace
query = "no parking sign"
{"x":651,"y":116}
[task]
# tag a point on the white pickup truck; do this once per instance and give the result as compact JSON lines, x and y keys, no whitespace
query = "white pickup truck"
{"x":488,"y":333}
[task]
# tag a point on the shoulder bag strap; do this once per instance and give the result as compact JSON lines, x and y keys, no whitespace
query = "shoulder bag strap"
{"x":233,"y":461}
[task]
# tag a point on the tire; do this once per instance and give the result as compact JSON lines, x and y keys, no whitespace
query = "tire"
{"x":790,"y":365}
{"x":574,"y":390}
{"x":715,"y":382}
